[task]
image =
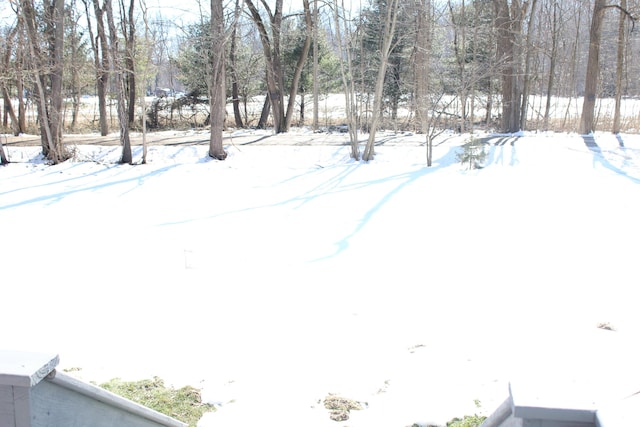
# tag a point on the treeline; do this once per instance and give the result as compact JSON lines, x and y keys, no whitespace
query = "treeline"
{"x":421,"y":65}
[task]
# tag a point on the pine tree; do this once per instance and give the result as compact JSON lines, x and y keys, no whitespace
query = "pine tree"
{"x":473,"y":154}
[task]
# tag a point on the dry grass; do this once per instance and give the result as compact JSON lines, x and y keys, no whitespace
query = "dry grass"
{"x":340,"y":407}
{"x":183,"y":404}
{"x":565,"y":116}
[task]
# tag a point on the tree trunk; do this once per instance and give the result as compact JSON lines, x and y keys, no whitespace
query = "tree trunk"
{"x":4,"y":67}
{"x":3,"y":156}
{"x":302,"y":107}
{"x":421,"y":72}
{"x":552,"y":65}
{"x":271,"y":50}
{"x":460,"y":54}
{"x":130,"y":40}
{"x":508,"y":26}
{"x":101,"y":59}
{"x":75,"y":113}
{"x":587,"y":119}
{"x":22,"y":109}
{"x":346,"y":72}
{"x":264,"y":115}
{"x":475,"y":77}
{"x":48,"y":79}
{"x":489,"y":108}
{"x":389,"y":31}
{"x":75,"y":70}
{"x":56,"y":116}
{"x":526,"y":86}
{"x":619,"y":68}
{"x":421,"y":65}
{"x":145,"y":79}
{"x":123,"y":118}
{"x":315,"y":89}
{"x":573,"y":68}
{"x":217,"y":92}
{"x":299,"y":64}
{"x":8,"y":108}
{"x":235,"y":97}
{"x":395,"y":72}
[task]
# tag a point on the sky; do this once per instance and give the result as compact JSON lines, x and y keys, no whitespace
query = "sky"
{"x":5,"y":12}
{"x":185,"y":11}
{"x":289,"y":272}
{"x":174,"y":15}
{"x":190,"y":8}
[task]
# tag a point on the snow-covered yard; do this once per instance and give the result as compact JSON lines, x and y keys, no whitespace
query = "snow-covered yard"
{"x":289,"y":272}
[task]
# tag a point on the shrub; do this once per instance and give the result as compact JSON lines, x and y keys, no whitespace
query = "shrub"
{"x":472,"y":154}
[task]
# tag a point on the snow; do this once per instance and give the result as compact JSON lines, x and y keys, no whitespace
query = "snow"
{"x":288,"y":272}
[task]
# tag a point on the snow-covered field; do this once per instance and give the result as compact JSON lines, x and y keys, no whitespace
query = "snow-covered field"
{"x":286,"y":273}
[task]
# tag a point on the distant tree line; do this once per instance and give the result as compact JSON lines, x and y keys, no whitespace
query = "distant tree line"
{"x":419,"y":65}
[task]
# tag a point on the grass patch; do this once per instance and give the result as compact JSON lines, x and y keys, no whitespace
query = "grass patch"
{"x":467,"y":421}
{"x":340,"y":407}
{"x":184,"y":404}
{"x":474,"y":420}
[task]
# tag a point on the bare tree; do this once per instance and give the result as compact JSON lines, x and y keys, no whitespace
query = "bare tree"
{"x":508,"y":23}
{"x":101,"y":59}
{"x":217,"y":93}
{"x":302,"y":59}
{"x":272,"y":54}
{"x":145,"y":74}
{"x":347,"y":73}
{"x":56,"y":116}
{"x":74,"y":61}
{"x":271,"y":50}
{"x":553,"y":59}
{"x":5,"y":65}
{"x":128,"y":26}
{"x":315,"y":66}
{"x":116,"y":63}
{"x":620,"y":57}
{"x":389,"y":29}
{"x":527,"y":77}
{"x":47,"y":68}
{"x":460,"y":56}
{"x":233,"y":67}
{"x":422,"y":71}
{"x":421,"y":62}
{"x":567,"y":87}
{"x":587,"y":120}
{"x":20,"y":77}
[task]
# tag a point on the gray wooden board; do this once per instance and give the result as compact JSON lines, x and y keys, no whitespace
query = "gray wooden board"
{"x":22,"y":405}
{"x":53,"y":405}
{"x":500,"y":416}
{"x":554,"y":423}
{"x":31,"y":396}
{"x":556,"y":414}
{"x":25,"y":369}
{"x":6,"y":406}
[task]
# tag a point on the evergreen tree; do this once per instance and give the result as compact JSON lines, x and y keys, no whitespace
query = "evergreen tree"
{"x":473,"y":154}
{"x":293,"y":43}
{"x":194,"y":57}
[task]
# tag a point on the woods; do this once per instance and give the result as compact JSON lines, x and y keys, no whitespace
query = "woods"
{"x":421,"y":66}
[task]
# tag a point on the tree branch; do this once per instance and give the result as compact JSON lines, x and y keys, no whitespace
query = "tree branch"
{"x":623,"y":10}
